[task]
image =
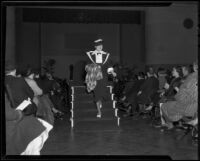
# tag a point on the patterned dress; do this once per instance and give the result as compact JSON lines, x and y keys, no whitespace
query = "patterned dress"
{"x":186,"y":102}
{"x":95,"y":82}
{"x":93,"y":74}
{"x":97,"y":77}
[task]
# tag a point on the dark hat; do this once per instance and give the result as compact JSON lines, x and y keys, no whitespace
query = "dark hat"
{"x":98,"y":42}
{"x":9,"y":65}
{"x":31,"y":70}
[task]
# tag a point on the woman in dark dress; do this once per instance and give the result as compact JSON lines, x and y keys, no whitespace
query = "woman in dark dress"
{"x":170,"y":88}
{"x":173,"y":87}
{"x":97,"y":77}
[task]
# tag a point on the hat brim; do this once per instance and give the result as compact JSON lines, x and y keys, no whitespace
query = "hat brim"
{"x":98,"y":43}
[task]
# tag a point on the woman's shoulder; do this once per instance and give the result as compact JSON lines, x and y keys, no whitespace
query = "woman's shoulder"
{"x":178,"y":80}
{"x":30,"y":81}
{"x":192,"y":76}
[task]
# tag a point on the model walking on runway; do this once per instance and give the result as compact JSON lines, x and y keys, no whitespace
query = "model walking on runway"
{"x":96,"y":78}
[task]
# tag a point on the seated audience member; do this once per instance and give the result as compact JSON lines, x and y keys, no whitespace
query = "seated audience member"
{"x":118,"y":82}
{"x":44,"y":81}
{"x":29,"y":78}
{"x":48,"y":85}
{"x":172,"y":88}
{"x":186,"y":70}
{"x":162,"y":78}
{"x":44,"y":104}
{"x":169,"y":76}
{"x":148,"y":88}
{"x":185,"y":103}
{"x":19,"y":89}
{"x":25,"y":135}
{"x":135,"y":86}
{"x":131,"y":93}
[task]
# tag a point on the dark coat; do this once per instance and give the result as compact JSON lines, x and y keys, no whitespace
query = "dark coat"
{"x":176,"y":82}
{"x":148,"y":88}
{"x":133,"y":89}
{"x":100,"y":91}
{"x":19,"y":131}
{"x":169,"y":94}
{"x":20,"y":91}
{"x":45,"y":84}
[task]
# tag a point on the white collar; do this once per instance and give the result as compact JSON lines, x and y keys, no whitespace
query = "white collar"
{"x":96,"y":51}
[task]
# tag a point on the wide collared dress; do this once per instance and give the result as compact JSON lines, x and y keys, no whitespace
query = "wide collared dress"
{"x":103,"y":59}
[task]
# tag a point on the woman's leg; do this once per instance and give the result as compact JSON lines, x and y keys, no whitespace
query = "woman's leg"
{"x":164,"y":119}
{"x":99,"y":106}
{"x":161,"y":115}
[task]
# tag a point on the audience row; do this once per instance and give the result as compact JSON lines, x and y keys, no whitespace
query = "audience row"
{"x":29,"y":110}
{"x":173,"y":93}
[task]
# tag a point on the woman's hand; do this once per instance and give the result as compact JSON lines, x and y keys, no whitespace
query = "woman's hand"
{"x":139,"y":93}
{"x":176,"y":89}
{"x":21,"y":115}
{"x":161,"y":94}
{"x":166,"y":86}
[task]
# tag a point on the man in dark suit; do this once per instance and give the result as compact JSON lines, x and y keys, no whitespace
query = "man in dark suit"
{"x":18,"y":89}
{"x":148,"y":88}
{"x":131,"y":90}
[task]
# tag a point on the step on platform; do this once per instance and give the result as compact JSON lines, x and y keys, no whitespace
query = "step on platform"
{"x":84,"y":111}
{"x":92,"y":105}
{"x":87,"y":97}
{"x":86,"y":114}
{"x":82,"y":89}
{"x":97,"y":124}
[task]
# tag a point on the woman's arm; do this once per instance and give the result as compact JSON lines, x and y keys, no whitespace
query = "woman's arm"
{"x":177,"y":85}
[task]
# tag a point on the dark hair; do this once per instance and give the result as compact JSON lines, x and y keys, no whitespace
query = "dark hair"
{"x":30,"y":71}
{"x":36,"y":71}
{"x":19,"y":71}
{"x":141,"y":74}
{"x":179,"y":70}
{"x":161,"y":70}
{"x":168,"y":72}
{"x":168,"y":79}
{"x":189,"y":68}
